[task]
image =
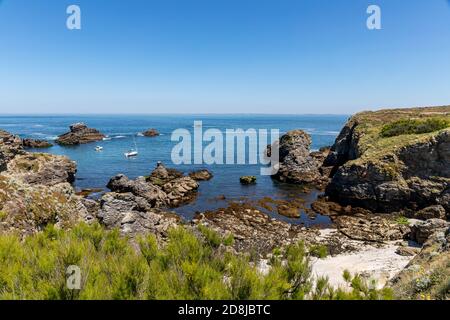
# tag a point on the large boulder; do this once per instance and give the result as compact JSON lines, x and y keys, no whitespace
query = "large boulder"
{"x":421,"y":231}
{"x":133,"y":215}
{"x":10,"y":146}
{"x":297,"y":164}
{"x":79,"y":134}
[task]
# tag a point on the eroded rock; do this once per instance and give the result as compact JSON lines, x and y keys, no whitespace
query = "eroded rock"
{"x":79,"y":134}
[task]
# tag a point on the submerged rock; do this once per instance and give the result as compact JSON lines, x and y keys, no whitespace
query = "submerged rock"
{"x":36,"y":143}
{"x":246,"y":180}
{"x":79,"y":134}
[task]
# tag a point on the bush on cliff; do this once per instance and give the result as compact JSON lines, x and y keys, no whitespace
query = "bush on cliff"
{"x":414,"y":126}
{"x":187,"y":267}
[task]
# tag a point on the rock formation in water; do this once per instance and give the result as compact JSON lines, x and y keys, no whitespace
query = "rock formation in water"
{"x":151,"y":133}
{"x":297,"y":164}
{"x":79,"y":134}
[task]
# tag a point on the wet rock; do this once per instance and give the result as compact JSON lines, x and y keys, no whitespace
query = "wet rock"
{"x":297,"y":164}
{"x":288,"y":211}
{"x":421,"y":231}
{"x":201,"y":175}
{"x":36,"y":143}
{"x":247,"y":180}
{"x":151,"y":133}
{"x":371,"y":228}
{"x":79,"y":134}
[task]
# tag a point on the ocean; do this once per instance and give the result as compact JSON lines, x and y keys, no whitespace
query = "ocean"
{"x":96,"y":168}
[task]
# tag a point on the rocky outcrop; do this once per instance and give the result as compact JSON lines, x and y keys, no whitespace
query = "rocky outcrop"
{"x":35,"y":190}
{"x":36,"y":143}
{"x":79,"y":134}
{"x":426,"y":276}
{"x":133,"y":215}
{"x":297,"y":164}
{"x":163,"y":187}
{"x":390,"y":174}
{"x":151,"y":133}
{"x":247,"y":180}
{"x":10,"y":146}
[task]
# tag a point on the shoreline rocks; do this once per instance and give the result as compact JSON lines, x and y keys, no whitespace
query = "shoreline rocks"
{"x":79,"y":134}
{"x":36,"y":143}
{"x":247,"y":180}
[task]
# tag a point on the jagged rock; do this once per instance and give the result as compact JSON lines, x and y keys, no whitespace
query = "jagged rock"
{"x":201,"y":175}
{"x":164,"y":187}
{"x":371,"y":228}
{"x":297,"y":164}
{"x":154,"y":196}
{"x":432,"y":212}
{"x":329,"y":208}
{"x":79,"y":134}
{"x":421,"y":231}
{"x":246,"y":180}
{"x":151,"y":133}
{"x":407,"y":251}
{"x":133,"y":216}
{"x":390,"y":174}
{"x":42,"y":168}
{"x":36,"y":143}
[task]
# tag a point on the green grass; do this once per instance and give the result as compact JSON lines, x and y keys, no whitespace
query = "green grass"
{"x":187,"y":267}
{"x":402,"y":221}
{"x":319,"y":251}
{"x":414,"y":126}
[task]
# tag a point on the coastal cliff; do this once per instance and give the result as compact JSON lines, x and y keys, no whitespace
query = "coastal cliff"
{"x":393,"y":160}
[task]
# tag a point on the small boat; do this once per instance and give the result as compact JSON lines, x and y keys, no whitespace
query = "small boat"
{"x":98,"y":148}
{"x":106,"y":138}
{"x":132,"y":152}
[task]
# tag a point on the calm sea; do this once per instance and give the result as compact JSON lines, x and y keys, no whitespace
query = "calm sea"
{"x":96,"y":168}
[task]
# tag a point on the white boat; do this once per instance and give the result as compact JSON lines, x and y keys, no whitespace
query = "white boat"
{"x":106,"y":138}
{"x":98,"y":148}
{"x":132,"y":152}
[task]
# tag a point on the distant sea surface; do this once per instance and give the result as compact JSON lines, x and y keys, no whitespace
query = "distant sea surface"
{"x":96,"y":168}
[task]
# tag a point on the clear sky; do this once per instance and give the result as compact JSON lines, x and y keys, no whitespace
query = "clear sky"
{"x":222,"y":56}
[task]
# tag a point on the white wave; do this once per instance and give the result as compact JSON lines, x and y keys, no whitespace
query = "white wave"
{"x":140,"y":134}
{"x":51,"y":137}
{"x":119,"y":137}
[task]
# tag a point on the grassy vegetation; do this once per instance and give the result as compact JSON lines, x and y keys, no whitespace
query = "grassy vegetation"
{"x":187,"y":267}
{"x":402,"y":221}
{"x":414,"y":126}
{"x":319,"y":251}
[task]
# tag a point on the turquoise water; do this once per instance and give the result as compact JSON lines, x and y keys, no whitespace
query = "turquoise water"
{"x":96,"y":168}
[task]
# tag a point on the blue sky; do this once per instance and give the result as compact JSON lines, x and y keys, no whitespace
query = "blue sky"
{"x":222,"y":56}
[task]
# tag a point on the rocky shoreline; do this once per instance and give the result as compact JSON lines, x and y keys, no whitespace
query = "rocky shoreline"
{"x":387,"y":194}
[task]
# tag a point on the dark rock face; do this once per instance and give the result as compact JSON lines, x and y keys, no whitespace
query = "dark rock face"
{"x":247,"y":180}
{"x":433,"y":212}
{"x":79,"y":134}
{"x":201,"y":175}
{"x":36,"y":144}
{"x":413,"y":176}
{"x":151,"y":133}
{"x":297,"y":164}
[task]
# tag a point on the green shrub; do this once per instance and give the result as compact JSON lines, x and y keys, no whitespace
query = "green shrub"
{"x":402,"y":221}
{"x":319,"y":251}
{"x":414,"y":126}
{"x":186,"y":267}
